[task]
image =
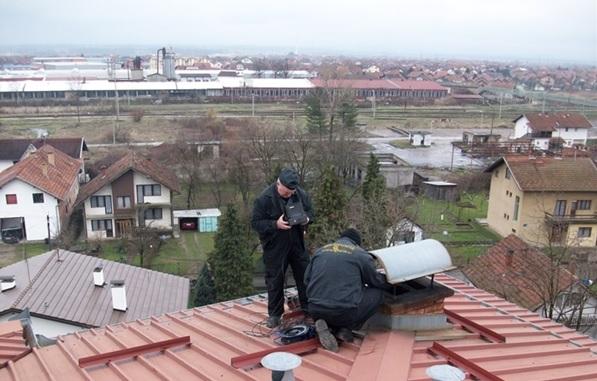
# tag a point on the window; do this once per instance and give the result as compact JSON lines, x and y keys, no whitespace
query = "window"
{"x":583,"y":205}
{"x":38,"y":198}
{"x":516,"y":206}
{"x":148,"y":190}
{"x":508,"y":174}
{"x":11,"y":199}
{"x":102,"y":202}
{"x":560,"y":208}
{"x":102,"y":225}
{"x":123,"y":202}
{"x":153,"y":214}
{"x":584,"y":232}
{"x":97,"y":202}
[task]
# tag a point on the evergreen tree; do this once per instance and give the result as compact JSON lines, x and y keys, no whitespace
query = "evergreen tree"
{"x":205,"y":289}
{"x":330,"y":203}
{"x":315,"y":114}
{"x":374,"y":220}
{"x":231,"y":262}
{"x":348,"y":114}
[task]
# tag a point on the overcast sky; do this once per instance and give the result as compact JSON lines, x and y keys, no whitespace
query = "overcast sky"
{"x":544,"y":30}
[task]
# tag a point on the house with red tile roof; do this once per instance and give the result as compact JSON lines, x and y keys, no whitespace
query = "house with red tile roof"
{"x":487,"y":338}
{"x":134,"y":191}
{"x":544,"y":200}
{"x":522,"y":274}
{"x":571,"y":127}
{"x":37,"y":194}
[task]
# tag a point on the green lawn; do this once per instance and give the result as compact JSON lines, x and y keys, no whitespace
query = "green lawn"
{"x":180,"y":256}
{"x":454,"y":224}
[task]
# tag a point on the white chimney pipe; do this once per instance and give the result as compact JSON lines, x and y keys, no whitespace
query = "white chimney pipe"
{"x":281,"y":364}
{"x":7,"y":283}
{"x":98,"y":276}
{"x":118,"y":295}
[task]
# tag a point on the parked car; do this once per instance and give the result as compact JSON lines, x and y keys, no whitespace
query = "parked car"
{"x":188,"y":225}
{"x":10,"y":239}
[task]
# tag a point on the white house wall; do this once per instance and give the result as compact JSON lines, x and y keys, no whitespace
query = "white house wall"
{"x":164,"y":198}
{"x":35,"y":215}
{"x":98,"y":213}
{"x":521,"y":127}
{"x":48,"y":328}
{"x":573,"y":135}
{"x":144,"y":180}
{"x":5,"y":164}
{"x":95,"y":213}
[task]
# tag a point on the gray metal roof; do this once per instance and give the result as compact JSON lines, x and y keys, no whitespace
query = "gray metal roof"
{"x":63,"y":289}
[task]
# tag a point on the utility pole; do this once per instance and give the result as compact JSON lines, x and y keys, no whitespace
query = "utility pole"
{"x":253,"y":105}
{"x":501,"y":99}
{"x":48,"y":223}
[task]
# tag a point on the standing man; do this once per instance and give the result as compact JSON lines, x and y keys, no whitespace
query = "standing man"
{"x":278,"y":220}
{"x":343,"y":287}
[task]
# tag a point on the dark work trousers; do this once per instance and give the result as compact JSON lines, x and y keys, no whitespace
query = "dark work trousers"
{"x":351,"y":318}
{"x":276,"y":264}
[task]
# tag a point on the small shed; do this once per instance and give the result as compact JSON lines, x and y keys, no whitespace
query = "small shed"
{"x":471,"y":138}
{"x":420,"y":138}
{"x":440,"y":190}
{"x":202,"y":220}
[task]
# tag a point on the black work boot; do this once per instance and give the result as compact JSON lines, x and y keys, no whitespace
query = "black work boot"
{"x":327,"y":340}
{"x":345,"y":335}
{"x":272,"y":322}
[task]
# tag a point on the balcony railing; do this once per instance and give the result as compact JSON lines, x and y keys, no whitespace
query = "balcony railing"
{"x":571,"y":218}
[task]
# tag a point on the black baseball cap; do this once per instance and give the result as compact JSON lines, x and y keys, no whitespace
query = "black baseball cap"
{"x":289,"y":178}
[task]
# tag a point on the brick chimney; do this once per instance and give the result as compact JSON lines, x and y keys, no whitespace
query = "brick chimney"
{"x":415,"y":305}
{"x":44,"y":169}
{"x":51,"y":158}
{"x":414,"y":302}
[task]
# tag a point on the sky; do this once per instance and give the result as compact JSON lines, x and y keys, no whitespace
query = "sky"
{"x":543,"y":31}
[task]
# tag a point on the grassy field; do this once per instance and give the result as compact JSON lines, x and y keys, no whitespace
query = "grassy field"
{"x":10,"y":254}
{"x":162,"y":122}
{"x":180,"y":256}
{"x":455,"y":225}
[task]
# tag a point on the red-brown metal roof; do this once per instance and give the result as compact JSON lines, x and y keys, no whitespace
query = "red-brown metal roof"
{"x":492,"y":340}
{"x":378,"y":84}
{"x":12,"y":343}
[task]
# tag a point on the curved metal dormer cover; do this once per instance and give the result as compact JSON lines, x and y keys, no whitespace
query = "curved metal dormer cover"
{"x":413,"y":260}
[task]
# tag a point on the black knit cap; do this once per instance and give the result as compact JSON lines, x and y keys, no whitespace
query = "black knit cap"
{"x":353,"y":235}
{"x":289,"y":178}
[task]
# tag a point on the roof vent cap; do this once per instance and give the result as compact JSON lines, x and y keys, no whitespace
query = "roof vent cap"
{"x":445,"y":373}
{"x":281,"y":364}
{"x":98,"y":276}
{"x":118,"y":295}
{"x":7,"y":282}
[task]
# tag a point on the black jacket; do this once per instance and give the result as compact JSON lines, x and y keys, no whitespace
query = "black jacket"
{"x":267,"y":208}
{"x":338,"y":273}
